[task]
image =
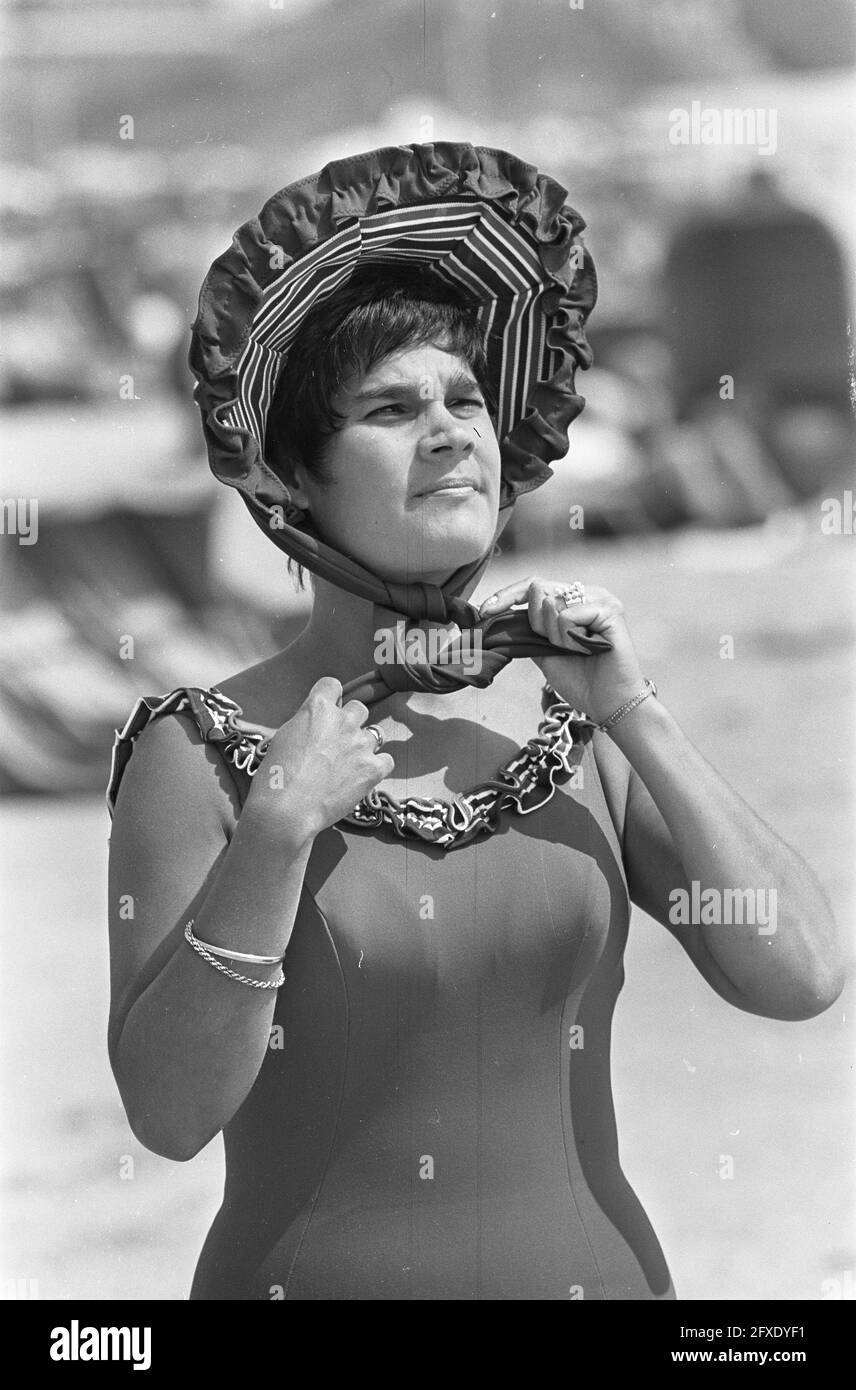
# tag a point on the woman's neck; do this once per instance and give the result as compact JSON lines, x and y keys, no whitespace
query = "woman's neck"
{"x":343,"y":639}
{"x":352,"y":634}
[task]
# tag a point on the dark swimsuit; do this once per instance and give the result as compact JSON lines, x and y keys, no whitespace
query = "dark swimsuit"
{"x":434,"y":1115}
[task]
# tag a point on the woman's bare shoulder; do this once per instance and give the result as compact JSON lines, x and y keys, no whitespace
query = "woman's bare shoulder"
{"x":171,"y":770}
{"x":171,"y":764}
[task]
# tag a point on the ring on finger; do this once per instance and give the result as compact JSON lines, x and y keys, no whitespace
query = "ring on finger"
{"x":573,"y":593}
{"x":378,"y":733}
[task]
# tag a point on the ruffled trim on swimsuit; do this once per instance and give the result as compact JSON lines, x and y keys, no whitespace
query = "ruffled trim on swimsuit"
{"x":212,"y":712}
{"x":525,"y":782}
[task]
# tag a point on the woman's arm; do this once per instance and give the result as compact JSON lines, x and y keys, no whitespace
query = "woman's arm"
{"x":186,"y":1042}
{"x":692,"y":845}
{"x":744,"y":905}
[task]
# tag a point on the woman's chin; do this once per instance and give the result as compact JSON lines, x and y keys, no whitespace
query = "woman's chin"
{"x":450,"y":555}
{"x":430,"y":551}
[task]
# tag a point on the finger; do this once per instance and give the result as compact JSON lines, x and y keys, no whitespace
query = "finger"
{"x":506,"y":597}
{"x":328,"y":687}
{"x":549,"y":622}
{"x":373,"y":743}
{"x":384,"y":766}
{"x":573,"y":627}
{"x":357,"y":713}
{"x":578,"y":641}
{"x":544,"y":610}
{"x":588,"y":615}
{"x":522,"y":590}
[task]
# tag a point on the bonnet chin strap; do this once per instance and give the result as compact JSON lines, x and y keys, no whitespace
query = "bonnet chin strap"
{"x":483,"y":649}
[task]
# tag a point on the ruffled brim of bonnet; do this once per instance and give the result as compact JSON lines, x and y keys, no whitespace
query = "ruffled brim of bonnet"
{"x":482,"y":220}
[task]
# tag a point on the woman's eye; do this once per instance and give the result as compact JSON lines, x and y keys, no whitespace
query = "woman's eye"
{"x":468,"y":404}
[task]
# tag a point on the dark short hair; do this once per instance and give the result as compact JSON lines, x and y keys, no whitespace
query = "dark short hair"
{"x":383,"y":309}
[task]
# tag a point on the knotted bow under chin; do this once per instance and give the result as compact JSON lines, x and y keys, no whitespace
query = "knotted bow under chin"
{"x":475,"y":657}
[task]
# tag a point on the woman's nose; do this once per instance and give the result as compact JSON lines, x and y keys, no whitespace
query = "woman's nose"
{"x":445,"y":432}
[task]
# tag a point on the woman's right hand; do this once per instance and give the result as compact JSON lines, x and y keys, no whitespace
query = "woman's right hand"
{"x":319,"y":764}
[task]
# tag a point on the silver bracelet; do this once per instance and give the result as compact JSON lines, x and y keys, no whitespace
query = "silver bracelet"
{"x":206,"y":955}
{"x":650,"y":689}
{"x":235,"y":955}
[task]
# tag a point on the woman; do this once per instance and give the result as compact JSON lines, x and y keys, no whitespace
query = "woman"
{"x":381,"y":882}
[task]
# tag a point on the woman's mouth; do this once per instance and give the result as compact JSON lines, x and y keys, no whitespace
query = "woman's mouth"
{"x":451,"y":487}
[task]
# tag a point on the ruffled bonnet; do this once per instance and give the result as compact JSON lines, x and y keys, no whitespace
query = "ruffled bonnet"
{"x":484,"y":221}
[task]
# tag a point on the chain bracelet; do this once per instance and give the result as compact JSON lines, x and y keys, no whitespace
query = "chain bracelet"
{"x":650,"y":689}
{"x":224,"y":969}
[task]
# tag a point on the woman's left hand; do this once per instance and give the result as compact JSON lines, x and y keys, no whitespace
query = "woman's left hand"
{"x":595,"y":685}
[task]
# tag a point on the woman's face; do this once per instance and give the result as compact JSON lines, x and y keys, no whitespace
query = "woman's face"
{"x":414,"y":472}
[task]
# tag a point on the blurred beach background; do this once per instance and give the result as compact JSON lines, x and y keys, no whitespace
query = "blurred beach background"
{"x":709,"y":483}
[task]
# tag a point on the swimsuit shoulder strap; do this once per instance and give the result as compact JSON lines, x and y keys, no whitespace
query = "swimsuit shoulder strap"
{"x":212,"y":712}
